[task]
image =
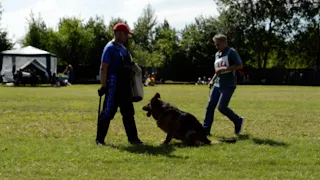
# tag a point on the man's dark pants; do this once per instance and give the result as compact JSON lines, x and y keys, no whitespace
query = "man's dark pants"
{"x":118,"y":95}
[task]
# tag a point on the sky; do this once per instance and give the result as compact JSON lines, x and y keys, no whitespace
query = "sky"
{"x":177,"y":12}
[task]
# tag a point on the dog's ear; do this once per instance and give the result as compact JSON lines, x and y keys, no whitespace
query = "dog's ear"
{"x":157,"y":96}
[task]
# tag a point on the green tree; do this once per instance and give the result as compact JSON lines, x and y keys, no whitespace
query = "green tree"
{"x":197,"y":43}
{"x":144,"y":29}
{"x":309,"y":30}
{"x":165,"y":44}
{"x":262,"y":24}
{"x":99,"y":37}
{"x":73,"y":41}
{"x":38,"y":34}
{"x":5,"y":42}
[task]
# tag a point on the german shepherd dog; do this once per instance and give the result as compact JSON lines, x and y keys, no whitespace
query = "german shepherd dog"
{"x":176,"y":123}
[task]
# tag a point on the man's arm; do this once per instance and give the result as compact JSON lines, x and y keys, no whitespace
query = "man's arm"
{"x":105,"y":61}
{"x":103,"y":74}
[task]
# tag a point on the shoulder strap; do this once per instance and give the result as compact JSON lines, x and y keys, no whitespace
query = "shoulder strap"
{"x":118,"y":49}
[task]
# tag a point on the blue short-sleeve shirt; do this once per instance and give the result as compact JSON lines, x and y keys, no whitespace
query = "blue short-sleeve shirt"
{"x":112,"y":56}
{"x":227,"y":79}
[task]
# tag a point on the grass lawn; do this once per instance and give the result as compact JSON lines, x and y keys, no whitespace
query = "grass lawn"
{"x":49,"y":133}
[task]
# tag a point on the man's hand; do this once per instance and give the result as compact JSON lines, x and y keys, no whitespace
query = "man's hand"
{"x":102,"y":91}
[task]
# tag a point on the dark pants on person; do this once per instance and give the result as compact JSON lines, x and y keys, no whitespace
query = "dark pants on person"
{"x":118,"y":95}
{"x":220,"y":97}
{"x":71,"y":77}
{"x":33,"y":80}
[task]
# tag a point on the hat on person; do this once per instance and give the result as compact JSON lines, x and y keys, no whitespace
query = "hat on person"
{"x":122,"y":27}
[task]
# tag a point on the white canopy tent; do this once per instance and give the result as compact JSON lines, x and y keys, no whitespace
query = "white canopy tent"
{"x":13,"y":60}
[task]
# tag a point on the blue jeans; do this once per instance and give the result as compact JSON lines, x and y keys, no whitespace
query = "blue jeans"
{"x":220,"y":97}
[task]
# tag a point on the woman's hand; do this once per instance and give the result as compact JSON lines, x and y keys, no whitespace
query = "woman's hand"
{"x":219,"y":70}
{"x":212,"y":81}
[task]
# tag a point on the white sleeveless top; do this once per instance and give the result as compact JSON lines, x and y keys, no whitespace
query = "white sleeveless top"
{"x":223,"y":61}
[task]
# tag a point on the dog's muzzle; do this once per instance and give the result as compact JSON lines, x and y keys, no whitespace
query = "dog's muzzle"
{"x":149,"y":113}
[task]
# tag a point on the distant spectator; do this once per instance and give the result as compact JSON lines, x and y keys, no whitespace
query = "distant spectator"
{"x":70,"y":73}
{"x":54,"y":81}
{"x":46,"y":74}
{"x":150,"y":81}
{"x":204,"y":80}
{"x":199,"y":81}
{"x":162,"y":80}
{"x":33,"y":78}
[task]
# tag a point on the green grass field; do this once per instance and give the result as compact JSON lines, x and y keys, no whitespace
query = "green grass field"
{"x":49,"y":133}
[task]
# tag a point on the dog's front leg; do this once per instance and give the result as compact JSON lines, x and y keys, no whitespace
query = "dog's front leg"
{"x":168,"y":139}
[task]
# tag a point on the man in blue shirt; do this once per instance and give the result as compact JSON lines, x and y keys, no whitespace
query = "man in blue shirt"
{"x":115,"y":77}
{"x":227,"y":61}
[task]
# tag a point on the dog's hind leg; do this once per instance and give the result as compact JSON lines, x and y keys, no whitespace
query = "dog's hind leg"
{"x":205,"y":140}
{"x":191,"y":138}
{"x":202,"y":136}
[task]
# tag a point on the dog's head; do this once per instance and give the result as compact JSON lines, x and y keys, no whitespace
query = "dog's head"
{"x":153,"y":104}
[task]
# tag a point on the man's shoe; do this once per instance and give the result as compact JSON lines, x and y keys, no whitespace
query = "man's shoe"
{"x":136,"y":142}
{"x":99,"y":143}
{"x":238,"y":125}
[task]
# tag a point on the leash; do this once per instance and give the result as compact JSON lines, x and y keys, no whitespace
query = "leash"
{"x":99,"y":110}
{"x":99,"y":106}
{"x":210,"y":87}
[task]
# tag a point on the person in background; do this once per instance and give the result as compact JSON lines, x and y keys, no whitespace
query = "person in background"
{"x":227,"y":62}
{"x":16,"y":79}
{"x":69,"y":71}
{"x":204,"y":80}
{"x":54,"y":81}
{"x":20,"y":77}
{"x":33,"y":78}
{"x":46,"y":75}
{"x":199,"y":81}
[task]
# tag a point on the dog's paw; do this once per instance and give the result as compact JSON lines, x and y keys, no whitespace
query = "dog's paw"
{"x":215,"y":142}
{"x":164,"y":143}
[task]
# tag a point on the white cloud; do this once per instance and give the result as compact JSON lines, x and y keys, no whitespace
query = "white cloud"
{"x":177,"y":12}
{"x":16,"y":21}
{"x":179,"y":17}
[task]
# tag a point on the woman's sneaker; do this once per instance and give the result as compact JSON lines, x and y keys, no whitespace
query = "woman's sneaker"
{"x":238,"y":125}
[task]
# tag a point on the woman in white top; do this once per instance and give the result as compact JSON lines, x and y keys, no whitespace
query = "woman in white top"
{"x":224,"y":81}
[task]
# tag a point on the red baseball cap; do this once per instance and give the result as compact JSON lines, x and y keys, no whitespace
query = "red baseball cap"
{"x":122,"y":27}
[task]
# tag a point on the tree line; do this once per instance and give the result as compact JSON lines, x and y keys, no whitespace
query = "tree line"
{"x":266,"y":33}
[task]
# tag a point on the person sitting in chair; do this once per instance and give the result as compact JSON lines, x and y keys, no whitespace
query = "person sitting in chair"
{"x":54,"y":81}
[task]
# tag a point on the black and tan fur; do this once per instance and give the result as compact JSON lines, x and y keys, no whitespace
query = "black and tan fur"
{"x":176,"y":123}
